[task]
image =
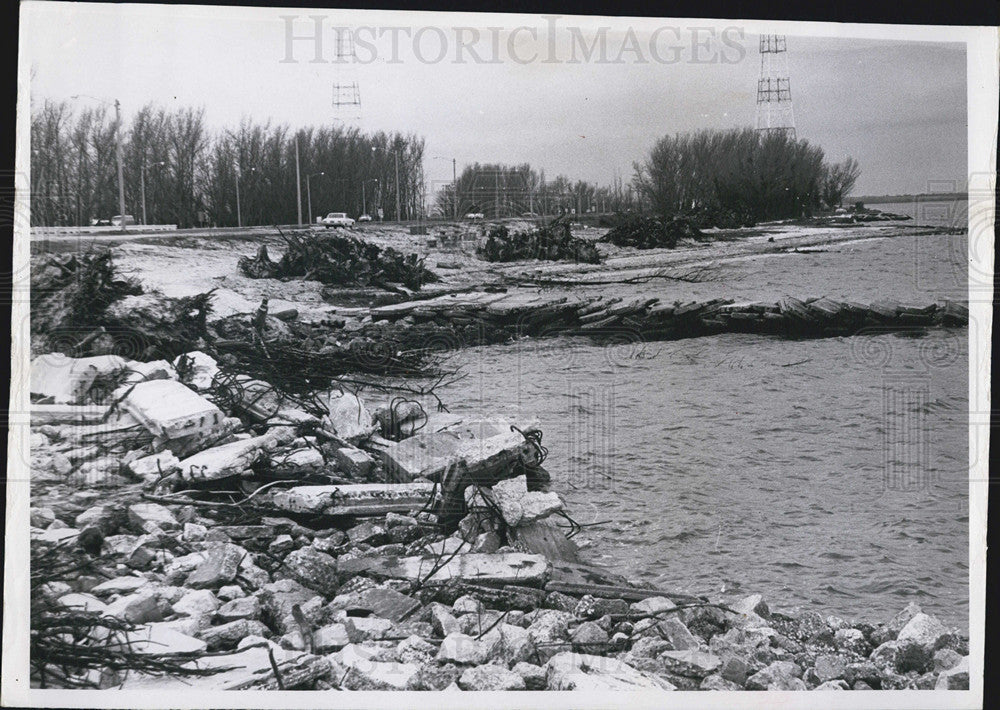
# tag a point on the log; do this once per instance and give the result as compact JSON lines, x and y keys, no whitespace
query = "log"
{"x":359,"y":499}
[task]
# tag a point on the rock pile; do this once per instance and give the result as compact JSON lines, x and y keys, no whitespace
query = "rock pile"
{"x":552,"y":242}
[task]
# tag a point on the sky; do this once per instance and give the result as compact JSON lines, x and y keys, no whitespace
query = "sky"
{"x":531,"y":95}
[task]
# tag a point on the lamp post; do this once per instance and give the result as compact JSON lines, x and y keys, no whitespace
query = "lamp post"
{"x":142,"y":182}
{"x":309,"y":198}
{"x":118,"y":151}
{"x":454,"y":183}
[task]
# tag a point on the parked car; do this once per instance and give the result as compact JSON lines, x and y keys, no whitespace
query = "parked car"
{"x":475,"y":215}
{"x":365,"y":218}
{"x":337,"y":219}
{"x":117,"y":220}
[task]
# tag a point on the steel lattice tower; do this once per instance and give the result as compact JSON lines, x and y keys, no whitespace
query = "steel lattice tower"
{"x":774,"y":93}
{"x":346,"y":94}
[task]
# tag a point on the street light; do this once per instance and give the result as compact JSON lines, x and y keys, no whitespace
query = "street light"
{"x":239,"y":174}
{"x":142,"y":182}
{"x":309,"y":198}
{"x":118,"y":151}
{"x":454,"y":182}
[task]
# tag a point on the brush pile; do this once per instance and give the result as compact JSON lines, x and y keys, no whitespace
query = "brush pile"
{"x":339,"y":260}
{"x":547,"y":243}
{"x":643,"y":232}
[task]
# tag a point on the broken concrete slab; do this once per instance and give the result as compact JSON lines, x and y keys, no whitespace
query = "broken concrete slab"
{"x":196,"y":369}
{"x":365,"y":673}
{"x":356,"y":499}
{"x":66,"y":380}
{"x":234,"y":458}
{"x":163,"y":463}
{"x":354,"y":462}
{"x":219,"y":567}
{"x":384,"y":603}
{"x":169,"y":409}
{"x":348,"y":417}
{"x":510,"y":568}
{"x":67,"y":414}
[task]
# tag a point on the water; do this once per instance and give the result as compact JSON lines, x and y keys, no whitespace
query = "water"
{"x":828,"y":474}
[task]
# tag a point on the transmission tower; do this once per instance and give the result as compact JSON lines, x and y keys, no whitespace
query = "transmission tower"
{"x":774,"y":93}
{"x":346,"y":94}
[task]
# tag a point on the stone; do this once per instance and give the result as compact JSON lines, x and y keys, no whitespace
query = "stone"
{"x":717,"y":682}
{"x":226,"y":636}
{"x":355,"y":498}
{"x":589,"y":637}
{"x":414,"y":649}
{"x":838,"y":684}
{"x":233,"y":458}
{"x":674,"y":631}
{"x":576,"y":671}
{"x":829,"y":666}
{"x":377,"y":601}
{"x":532,"y":675}
{"x":366,"y":628}
{"x":653,"y":605}
{"x":239,"y":608}
{"x":219,"y":567}
{"x":147,"y":517}
{"x":42,"y":517}
{"x":490,"y":677}
{"x":230,"y":592}
{"x":549,"y":631}
{"x":354,"y":462}
{"x":753,"y":604}
{"x":590,"y":607}
{"x":348,"y":417}
{"x":780,"y":675}
{"x":170,"y":410}
{"x":537,"y":505}
{"x":194,"y":532}
{"x":482,"y":450}
{"x":509,"y":643}
{"x":560,"y":601}
{"x":926,"y":632}
{"x":649,"y":647}
{"x":692,"y":663}
{"x":863,"y":670}
{"x":197,"y":603}
{"x":369,"y":533}
{"x":896,"y":624}
{"x":946,"y":659}
{"x":734,"y":669}
{"x":138,"y":608}
{"x":331,"y":637}
{"x":852,"y":641}
{"x":508,"y":494}
{"x":432,"y":677}
{"x":364,"y":673}
{"x":120,"y":585}
{"x":442,"y":620}
{"x":955,"y":678}
{"x":161,"y":639}
{"x":313,"y":569}
{"x":467,"y":604}
{"x":487,"y":542}
{"x":461,"y":649}
{"x":83,"y":602}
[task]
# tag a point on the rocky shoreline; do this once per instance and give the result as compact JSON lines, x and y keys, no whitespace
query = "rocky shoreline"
{"x":219,"y":542}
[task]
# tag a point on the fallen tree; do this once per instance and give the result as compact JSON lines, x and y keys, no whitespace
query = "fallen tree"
{"x":334,"y":259}
{"x":552,"y":242}
{"x":644,"y":232}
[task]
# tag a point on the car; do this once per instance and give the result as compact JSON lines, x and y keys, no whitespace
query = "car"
{"x":365,"y":218}
{"x":337,"y":219}
{"x":117,"y":220}
{"x":474,"y":215}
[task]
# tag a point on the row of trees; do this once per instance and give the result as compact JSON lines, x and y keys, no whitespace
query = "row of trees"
{"x":191,"y":177}
{"x":247,"y":175}
{"x":497,"y":190}
{"x":741,"y":175}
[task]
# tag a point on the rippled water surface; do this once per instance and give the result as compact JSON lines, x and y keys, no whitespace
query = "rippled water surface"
{"x":828,"y":474}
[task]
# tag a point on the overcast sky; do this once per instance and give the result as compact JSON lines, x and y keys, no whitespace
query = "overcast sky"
{"x":898,"y":107}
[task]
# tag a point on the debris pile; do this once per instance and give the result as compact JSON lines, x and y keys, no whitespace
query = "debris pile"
{"x":335,"y":259}
{"x":552,"y":242}
{"x":234,"y":537}
{"x":645,"y":232}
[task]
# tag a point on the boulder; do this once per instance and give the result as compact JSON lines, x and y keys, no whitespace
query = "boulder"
{"x":829,"y":666}
{"x":577,"y":671}
{"x":677,"y":634}
{"x":147,"y":517}
{"x":67,"y":380}
{"x":509,"y":643}
{"x":414,"y":649}
{"x":467,"y":604}
{"x":198,"y":603}
{"x":329,"y":638}
{"x":196,"y":369}
{"x":833,"y":685}
{"x":589,"y":637}
{"x":549,"y":631}
{"x":461,"y":649}
{"x":347,"y":417}
{"x":365,"y":673}
{"x":653,"y":606}
{"x":717,"y":682}
{"x":955,"y":678}
{"x":313,"y":569}
{"x":170,"y":410}
{"x":226,"y":636}
{"x":239,"y":608}
{"x":944,"y":659}
{"x":851,"y":641}
{"x":532,"y":675}
{"x":537,"y":505}
{"x":490,"y":677}
{"x":780,"y":675}
{"x":734,"y":669}
{"x":138,"y":608}
{"x":442,"y":620}
{"x":219,"y":567}
{"x":691,"y":663}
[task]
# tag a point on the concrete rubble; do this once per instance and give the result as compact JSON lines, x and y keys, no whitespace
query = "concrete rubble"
{"x":230,"y":536}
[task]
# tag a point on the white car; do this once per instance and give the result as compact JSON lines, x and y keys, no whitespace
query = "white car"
{"x":474,"y":215}
{"x":365,"y":218}
{"x":117,"y":220}
{"x":337,"y":219}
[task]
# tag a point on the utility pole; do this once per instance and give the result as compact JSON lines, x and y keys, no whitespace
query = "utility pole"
{"x":239,"y":216}
{"x":496,"y":195}
{"x":395,"y":154}
{"x":454,"y":182}
{"x":309,"y":193}
{"x":298,"y":181}
{"x":118,"y":155}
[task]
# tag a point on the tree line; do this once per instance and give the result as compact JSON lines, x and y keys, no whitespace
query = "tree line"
{"x":192,"y":177}
{"x":740,"y":177}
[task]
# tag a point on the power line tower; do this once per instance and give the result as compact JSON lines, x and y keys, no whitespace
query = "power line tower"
{"x":346,"y":94}
{"x":774,"y":93}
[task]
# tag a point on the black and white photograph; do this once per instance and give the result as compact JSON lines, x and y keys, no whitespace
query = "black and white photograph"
{"x":383,"y":358}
